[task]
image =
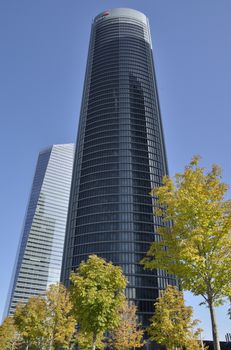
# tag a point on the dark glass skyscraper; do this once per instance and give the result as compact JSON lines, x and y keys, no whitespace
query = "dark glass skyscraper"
{"x":120,"y":156}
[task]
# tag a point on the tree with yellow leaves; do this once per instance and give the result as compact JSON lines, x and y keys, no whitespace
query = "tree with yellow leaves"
{"x":9,"y":336}
{"x":172,"y":324}
{"x":60,"y":323}
{"x":127,"y":334}
{"x":29,"y":320}
{"x":197,"y":247}
{"x":46,"y":322}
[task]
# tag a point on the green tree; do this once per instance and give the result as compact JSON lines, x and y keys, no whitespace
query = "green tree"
{"x":172,"y":324}
{"x":84,"y":340}
{"x":197,"y":247}
{"x":97,"y":291}
{"x":9,"y":336}
{"x":30,"y":322}
{"x":59,"y":322}
{"x":127,"y":334}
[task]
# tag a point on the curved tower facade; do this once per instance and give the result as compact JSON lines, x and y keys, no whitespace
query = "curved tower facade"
{"x":120,"y":156}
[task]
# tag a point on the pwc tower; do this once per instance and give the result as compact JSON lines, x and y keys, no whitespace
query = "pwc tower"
{"x":120,"y":156}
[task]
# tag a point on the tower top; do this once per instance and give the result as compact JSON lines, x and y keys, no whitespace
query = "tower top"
{"x":122,"y":12}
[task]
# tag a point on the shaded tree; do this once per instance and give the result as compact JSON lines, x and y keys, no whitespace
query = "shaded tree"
{"x":46,"y":322}
{"x":172,"y":324}
{"x":97,"y":292}
{"x":128,"y":334}
{"x":197,"y":247}
{"x":59,"y":321}
{"x":9,"y":336}
{"x":30,"y":322}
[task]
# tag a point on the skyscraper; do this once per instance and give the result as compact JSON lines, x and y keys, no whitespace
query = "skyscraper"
{"x":41,"y":248}
{"x":120,"y":156}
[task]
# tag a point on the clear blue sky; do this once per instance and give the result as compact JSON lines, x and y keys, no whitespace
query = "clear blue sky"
{"x":42,"y":64}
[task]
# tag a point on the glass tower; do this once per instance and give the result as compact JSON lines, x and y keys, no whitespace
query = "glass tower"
{"x":41,"y":248}
{"x":120,"y":156}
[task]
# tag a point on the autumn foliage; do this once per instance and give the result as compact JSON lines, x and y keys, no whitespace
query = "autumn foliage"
{"x":128,"y":334}
{"x":195,"y":242}
{"x":172,"y":324}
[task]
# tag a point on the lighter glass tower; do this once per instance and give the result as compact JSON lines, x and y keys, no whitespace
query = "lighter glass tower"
{"x":40,"y":252}
{"x":120,"y":156}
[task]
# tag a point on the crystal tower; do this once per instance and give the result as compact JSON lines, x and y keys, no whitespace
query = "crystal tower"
{"x":40,"y":252}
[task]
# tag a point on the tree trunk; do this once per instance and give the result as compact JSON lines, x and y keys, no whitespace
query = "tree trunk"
{"x":202,"y":343}
{"x":94,"y":342}
{"x":51,"y":342}
{"x":216,"y":342}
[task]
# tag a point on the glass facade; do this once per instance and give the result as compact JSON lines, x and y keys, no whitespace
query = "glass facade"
{"x":120,"y":156}
{"x":39,"y":259}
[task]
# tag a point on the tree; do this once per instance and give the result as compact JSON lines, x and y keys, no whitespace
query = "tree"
{"x":197,"y":247}
{"x":84,"y":340}
{"x":172,"y":324}
{"x":9,"y":337}
{"x":97,"y":292}
{"x":30,"y":322}
{"x":127,"y":334}
{"x":60,"y":323}
{"x":45,"y":322}
{"x":229,"y":310}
